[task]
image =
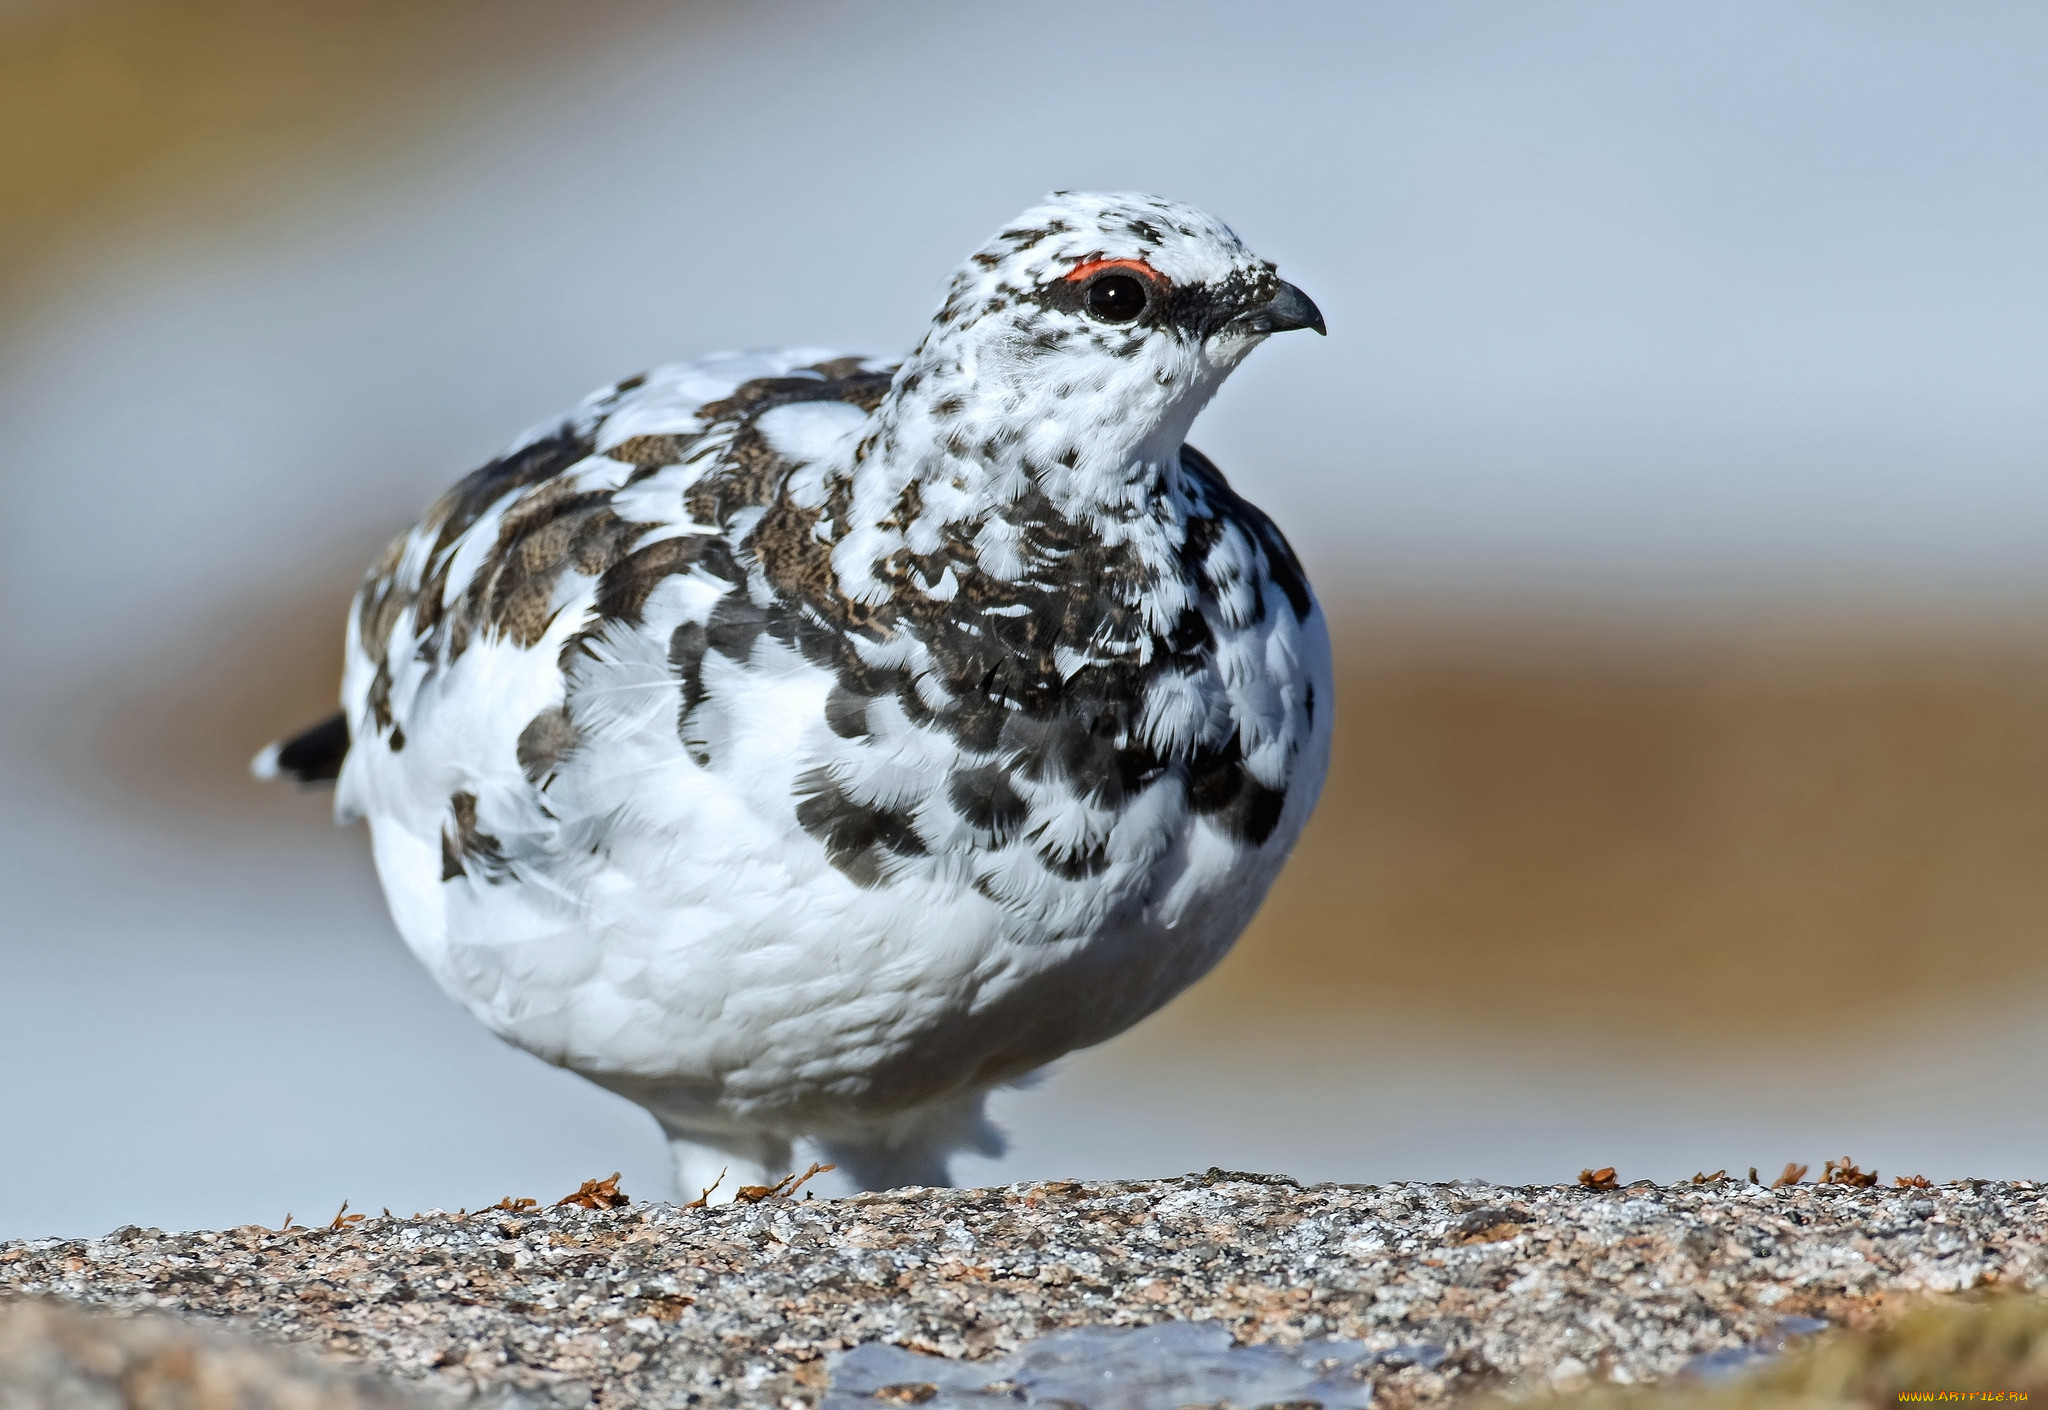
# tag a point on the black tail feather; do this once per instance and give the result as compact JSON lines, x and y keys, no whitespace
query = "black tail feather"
{"x":310,"y":756}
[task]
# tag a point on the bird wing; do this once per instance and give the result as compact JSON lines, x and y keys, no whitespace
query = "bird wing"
{"x":465,"y":628}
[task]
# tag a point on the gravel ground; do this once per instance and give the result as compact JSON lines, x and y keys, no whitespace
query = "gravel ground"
{"x":1464,"y":1287}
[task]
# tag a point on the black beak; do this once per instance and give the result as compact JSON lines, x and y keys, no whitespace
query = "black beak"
{"x":1287,"y":310}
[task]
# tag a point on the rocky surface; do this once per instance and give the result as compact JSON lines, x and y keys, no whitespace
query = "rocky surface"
{"x":1452,"y":1289}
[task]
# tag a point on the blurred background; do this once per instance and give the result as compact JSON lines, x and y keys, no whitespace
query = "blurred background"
{"x":1675,"y":474}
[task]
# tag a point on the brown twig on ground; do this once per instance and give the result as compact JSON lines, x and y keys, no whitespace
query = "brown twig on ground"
{"x":1700,"y":1179}
{"x":597,"y":1194}
{"x":1846,"y":1172}
{"x":1792,"y":1175}
{"x":521,"y":1205}
{"x":704,"y":1195}
{"x":1912,"y":1182}
{"x":787,"y":1186}
{"x":342,"y":1218}
{"x":1602,"y":1179}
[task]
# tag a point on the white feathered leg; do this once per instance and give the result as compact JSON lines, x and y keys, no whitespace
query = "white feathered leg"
{"x":917,"y":1147}
{"x":723,"y":1162}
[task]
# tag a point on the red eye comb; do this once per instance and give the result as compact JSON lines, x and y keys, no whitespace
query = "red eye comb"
{"x":1138,"y":267}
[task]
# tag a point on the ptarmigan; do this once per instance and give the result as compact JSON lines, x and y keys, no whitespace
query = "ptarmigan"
{"x":804,"y":745}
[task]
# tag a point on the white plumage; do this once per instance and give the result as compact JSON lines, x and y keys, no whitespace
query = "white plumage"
{"x":803,"y":745}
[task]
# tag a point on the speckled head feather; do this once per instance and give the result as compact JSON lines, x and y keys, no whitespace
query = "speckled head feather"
{"x":1188,"y":249}
{"x":1023,"y":388}
{"x":1016,"y":358}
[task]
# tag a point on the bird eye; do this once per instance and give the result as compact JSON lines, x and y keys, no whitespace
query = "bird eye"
{"x":1116,"y":298}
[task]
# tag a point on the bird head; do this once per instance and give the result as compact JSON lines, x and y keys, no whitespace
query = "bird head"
{"x":1090,"y":331}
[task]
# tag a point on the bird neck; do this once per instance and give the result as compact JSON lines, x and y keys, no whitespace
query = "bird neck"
{"x":989,"y":479}
{"x":967,"y":442}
